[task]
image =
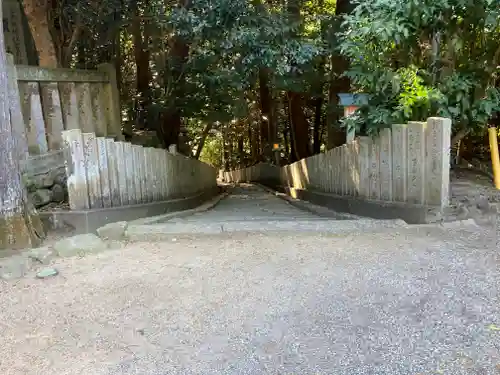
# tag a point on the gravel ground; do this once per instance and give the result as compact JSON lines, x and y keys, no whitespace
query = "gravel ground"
{"x":414,"y":302}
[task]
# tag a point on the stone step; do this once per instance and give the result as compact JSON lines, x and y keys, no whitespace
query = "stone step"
{"x":159,"y":232}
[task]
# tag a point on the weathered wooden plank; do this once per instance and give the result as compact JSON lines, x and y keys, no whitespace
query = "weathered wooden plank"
{"x":52,"y":111}
{"x":32,"y":112}
{"x":92,"y":168}
{"x":76,"y":170}
{"x":399,"y":162}
{"x":111,"y":96}
{"x":385,"y":142}
{"x":85,"y":107}
{"x":104,"y":171}
{"x":98,"y":117}
{"x":416,"y":162}
{"x":69,"y":104}
{"x":437,"y":160}
{"x":16,"y":115}
{"x":38,"y":74}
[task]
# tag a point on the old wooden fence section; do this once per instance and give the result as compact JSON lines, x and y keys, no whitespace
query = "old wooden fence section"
{"x":44,"y":102}
{"x":405,"y":163}
{"x":108,"y":173}
{"x":71,"y":118}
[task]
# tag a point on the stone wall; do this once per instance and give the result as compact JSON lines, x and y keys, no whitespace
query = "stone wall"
{"x":45,"y":178}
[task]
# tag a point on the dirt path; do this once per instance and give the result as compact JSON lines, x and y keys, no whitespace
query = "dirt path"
{"x":417,"y":301}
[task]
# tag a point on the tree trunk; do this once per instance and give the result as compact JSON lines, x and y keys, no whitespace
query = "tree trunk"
{"x":299,"y":126}
{"x":203,"y":138}
{"x":20,"y":225}
{"x":317,"y":126}
{"x":36,"y":13}
{"x":171,"y":122}
{"x":143,"y":72}
{"x":339,"y":65}
{"x":298,"y":120}
{"x":267,"y":125}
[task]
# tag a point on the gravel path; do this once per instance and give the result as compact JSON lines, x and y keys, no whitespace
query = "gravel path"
{"x":413,"y":302}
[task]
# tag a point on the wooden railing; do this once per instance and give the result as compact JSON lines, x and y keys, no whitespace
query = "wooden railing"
{"x":45,"y":102}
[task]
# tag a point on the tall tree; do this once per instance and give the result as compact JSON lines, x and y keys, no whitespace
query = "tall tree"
{"x":37,"y":14}
{"x":20,"y":225}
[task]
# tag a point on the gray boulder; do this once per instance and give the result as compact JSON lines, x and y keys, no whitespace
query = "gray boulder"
{"x":113,"y":231}
{"x":81,"y":245}
{"x":41,"y":255}
{"x":43,"y":180}
{"x":58,"y":193}
{"x":14,"y":267}
{"x":41,"y":197}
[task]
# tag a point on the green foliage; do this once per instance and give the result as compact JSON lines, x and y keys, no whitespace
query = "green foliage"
{"x":212,"y":152}
{"x":424,"y":57}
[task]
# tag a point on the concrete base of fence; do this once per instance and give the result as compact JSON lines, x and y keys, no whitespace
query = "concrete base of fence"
{"x":412,"y":214}
{"x":88,"y":221}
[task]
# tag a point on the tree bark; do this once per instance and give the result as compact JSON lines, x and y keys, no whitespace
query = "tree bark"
{"x":298,"y":120}
{"x":171,"y":119}
{"x":203,"y":138}
{"x":143,"y":72}
{"x":36,"y":13}
{"x":317,"y":126}
{"x":20,"y":225}
{"x":267,"y":125}
{"x":299,"y":126}
{"x":339,"y":65}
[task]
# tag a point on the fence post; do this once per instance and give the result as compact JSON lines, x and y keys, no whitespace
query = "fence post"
{"x":98,"y":117}
{"x":92,"y":167}
{"x":16,"y":115}
{"x":437,"y":171}
{"x":385,"y":165}
{"x":375,"y":169}
{"x":75,"y":170}
{"x":364,"y":166}
{"x":399,"y":162}
{"x":104,"y":171}
{"x":416,"y":162}
{"x":113,"y":172}
{"x":112,"y":96}
{"x":122,"y":172}
{"x":139,"y":194}
{"x":52,"y":110}
{"x":69,"y":103}
{"x":85,"y":112}
{"x":32,"y":111}
{"x":131,"y":169}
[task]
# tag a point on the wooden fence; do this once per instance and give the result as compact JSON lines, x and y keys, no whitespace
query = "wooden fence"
{"x":405,"y":163}
{"x":45,"y":102}
{"x":107,"y":173}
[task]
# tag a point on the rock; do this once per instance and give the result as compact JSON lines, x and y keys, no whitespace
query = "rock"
{"x":79,"y":245}
{"x":14,"y":267}
{"x":41,"y":255}
{"x":113,"y":231}
{"x":30,"y":184}
{"x":41,"y":197}
{"x":462,"y":213}
{"x":47,"y":272}
{"x":58,"y":193}
{"x":60,"y":177}
{"x":43,"y":180}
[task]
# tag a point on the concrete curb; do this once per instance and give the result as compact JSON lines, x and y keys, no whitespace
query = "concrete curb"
{"x":88,"y":221}
{"x":308,"y":206}
{"x":166,"y":232}
{"x":179,"y":214}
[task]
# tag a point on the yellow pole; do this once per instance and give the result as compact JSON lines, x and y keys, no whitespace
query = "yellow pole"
{"x":495,"y":158}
